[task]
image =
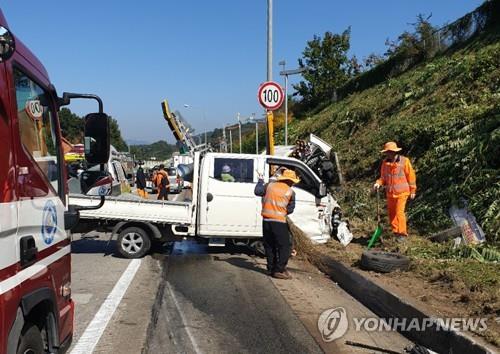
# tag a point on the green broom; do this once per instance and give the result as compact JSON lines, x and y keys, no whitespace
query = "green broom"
{"x":378,"y":230}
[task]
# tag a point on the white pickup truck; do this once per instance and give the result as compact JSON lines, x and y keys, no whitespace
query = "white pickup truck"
{"x":212,"y":209}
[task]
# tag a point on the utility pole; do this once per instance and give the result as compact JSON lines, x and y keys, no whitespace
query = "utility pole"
{"x":239,"y":126}
{"x":224,"y":141}
{"x":231,"y":141}
{"x":285,"y":73}
{"x":283,"y":63}
{"x":269,"y":115}
{"x":256,"y":137}
{"x":269,"y":40}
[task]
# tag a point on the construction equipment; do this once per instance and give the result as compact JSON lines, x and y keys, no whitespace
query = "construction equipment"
{"x":181,"y":132}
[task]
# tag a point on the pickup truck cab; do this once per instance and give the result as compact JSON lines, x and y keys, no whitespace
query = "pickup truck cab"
{"x":213,"y":208}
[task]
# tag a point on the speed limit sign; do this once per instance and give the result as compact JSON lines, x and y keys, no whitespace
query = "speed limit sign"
{"x":271,"y":95}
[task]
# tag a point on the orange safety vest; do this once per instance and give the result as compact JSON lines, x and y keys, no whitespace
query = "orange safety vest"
{"x":158,"y":178}
{"x":394,"y":177}
{"x":276,"y":200}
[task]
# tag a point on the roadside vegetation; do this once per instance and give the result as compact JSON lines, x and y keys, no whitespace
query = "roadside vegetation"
{"x":441,"y":103}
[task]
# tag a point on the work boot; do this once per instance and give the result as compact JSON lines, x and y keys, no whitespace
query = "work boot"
{"x":401,"y":238}
{"x":282,"y":275}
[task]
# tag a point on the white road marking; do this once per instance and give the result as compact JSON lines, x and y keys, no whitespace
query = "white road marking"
{"x":183,"y":318}
{"x":96,"y":327}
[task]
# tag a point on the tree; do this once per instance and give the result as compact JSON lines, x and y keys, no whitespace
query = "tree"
{"x":328,"y":67}
{"x":116,"y":136}
{"x":71,"y":126}
{"x":421,"y":42}
{"x":372,"y":60}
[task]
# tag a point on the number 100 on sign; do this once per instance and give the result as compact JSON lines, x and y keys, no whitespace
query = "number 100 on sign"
{"x":271,"y":95}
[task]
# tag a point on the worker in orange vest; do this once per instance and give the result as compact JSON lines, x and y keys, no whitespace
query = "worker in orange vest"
{"x":398,"y":177}
{"x":161,"y":182}
{"x":278,"y":200}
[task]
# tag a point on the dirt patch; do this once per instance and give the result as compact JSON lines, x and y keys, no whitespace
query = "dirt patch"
{"x":443,"y":288}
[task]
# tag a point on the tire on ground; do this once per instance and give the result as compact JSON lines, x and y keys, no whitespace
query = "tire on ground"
{"x":384,"y":262}
{"x":31,"y":340}
{"x":133,"y":242}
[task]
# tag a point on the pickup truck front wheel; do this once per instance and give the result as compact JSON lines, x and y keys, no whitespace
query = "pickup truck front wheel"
{"x":133,"y":242}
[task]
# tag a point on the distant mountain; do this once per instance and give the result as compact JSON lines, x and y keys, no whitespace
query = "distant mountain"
{"x":160,"y":150}
{"x":137,"y":142}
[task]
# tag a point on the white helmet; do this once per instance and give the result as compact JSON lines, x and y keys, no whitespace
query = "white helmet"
{"x":226,"y":169}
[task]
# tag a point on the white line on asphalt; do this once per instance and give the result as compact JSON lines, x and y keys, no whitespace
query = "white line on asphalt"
{"x":95,"y":329}
{"x":183,"y":318}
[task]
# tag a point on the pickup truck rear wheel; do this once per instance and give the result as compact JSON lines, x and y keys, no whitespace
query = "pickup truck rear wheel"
{"x":133,"y":242}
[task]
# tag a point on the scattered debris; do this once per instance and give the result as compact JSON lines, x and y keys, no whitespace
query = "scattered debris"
{"x":343,"y":233}
{"x":471,"y":231}
{"x":371,"y":347}
{"x":445,"y":235}
{"x":418,"y":349}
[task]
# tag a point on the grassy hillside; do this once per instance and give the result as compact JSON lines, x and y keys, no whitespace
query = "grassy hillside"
{"x":445,"y":113}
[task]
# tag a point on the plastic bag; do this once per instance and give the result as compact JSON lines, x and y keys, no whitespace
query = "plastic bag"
{"x":344,"y":234}
{"x":471,"y":231}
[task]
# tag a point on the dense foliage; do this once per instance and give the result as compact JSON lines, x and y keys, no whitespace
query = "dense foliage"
{"x":72,"y":127}
{"x":159,"y":150}
{"x":446,"y":115}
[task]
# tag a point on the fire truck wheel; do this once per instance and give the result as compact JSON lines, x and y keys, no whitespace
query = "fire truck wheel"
{"x":31,"y":340}
{"x":133,"y":242}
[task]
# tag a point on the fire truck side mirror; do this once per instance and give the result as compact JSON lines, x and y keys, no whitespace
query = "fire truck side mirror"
{"x":96,"y":141}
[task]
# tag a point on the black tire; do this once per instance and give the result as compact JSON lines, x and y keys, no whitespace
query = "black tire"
{"x":384,"y":262}
{"x":258,"y":248}
{"x":133,"y":242}
{"x":31,"y":341}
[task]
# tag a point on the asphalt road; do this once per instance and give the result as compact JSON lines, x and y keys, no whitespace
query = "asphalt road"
{"x":190,"y":298}
{"x":215,"y":301}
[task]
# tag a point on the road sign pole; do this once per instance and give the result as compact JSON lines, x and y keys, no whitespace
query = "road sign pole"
{"x":270,"y":133}
{"x":270,"y":96}
{"x":286,"y":110}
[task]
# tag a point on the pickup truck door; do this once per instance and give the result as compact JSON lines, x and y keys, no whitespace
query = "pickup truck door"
{"x":227,"y":207}
{"x":311,"y":213}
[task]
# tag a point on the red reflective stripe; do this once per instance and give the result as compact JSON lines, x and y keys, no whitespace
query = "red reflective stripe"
{"x":11,"y":270}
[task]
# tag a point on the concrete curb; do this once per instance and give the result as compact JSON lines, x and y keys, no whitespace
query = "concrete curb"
{"x":386,"y":305}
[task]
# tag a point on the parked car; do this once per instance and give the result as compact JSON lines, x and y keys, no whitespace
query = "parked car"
{"x":174,"y":180}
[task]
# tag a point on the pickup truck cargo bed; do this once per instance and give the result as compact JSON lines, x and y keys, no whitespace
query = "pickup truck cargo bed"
{"x":126,"y":207}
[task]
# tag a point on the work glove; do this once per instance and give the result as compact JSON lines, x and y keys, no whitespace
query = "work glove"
{"x":412,"y":196}
{"x":376,"y":186}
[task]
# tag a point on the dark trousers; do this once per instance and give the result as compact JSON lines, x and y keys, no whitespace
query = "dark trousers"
{"x":278,"y":245}
{"x":163,"y":193}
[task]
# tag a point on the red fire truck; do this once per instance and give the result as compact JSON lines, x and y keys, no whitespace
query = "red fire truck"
{"x":36,"y":310}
